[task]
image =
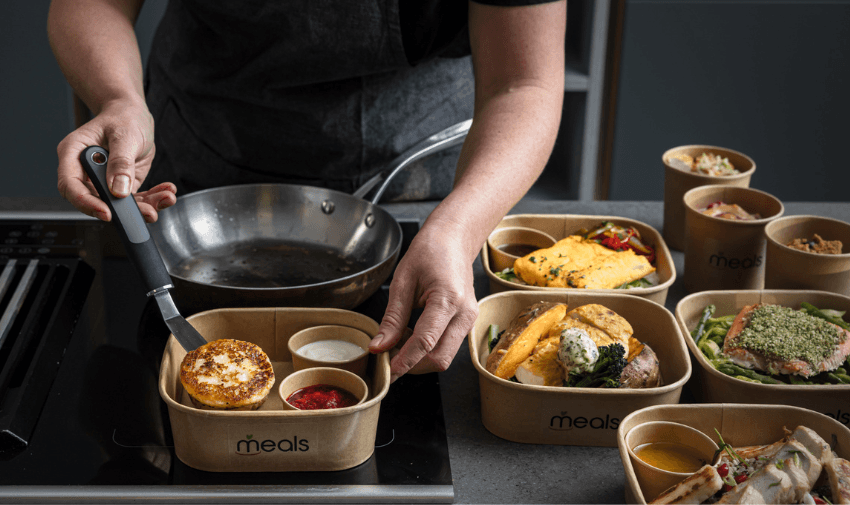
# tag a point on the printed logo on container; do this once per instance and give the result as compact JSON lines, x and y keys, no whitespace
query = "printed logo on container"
{"x":566,"y":421}
{"x":720,"y":260}
{"x":841,"y":416}
{"x":274,"y":441}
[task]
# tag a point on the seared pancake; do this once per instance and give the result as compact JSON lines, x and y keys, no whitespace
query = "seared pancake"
{"x":227,"y":374}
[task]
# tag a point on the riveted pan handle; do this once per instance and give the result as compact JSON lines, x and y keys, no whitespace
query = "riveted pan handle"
{"x":437,"y":142}
{"x":131,"y":225}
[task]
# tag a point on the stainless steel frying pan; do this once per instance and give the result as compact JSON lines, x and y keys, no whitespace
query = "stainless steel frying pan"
{"x":285,"y":245}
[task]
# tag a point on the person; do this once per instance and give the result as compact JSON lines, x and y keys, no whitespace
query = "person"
{"x":334,"y":89}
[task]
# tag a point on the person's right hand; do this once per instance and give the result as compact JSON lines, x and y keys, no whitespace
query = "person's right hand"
{"x":125,"y":129}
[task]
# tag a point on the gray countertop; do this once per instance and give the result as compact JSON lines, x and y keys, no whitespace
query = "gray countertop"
{"x":487,"y":469}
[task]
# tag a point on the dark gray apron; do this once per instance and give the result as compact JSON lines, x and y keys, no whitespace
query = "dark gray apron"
{"x":310,"y":92}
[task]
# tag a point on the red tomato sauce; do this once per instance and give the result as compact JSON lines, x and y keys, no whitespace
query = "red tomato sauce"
{"x":321,"y":396}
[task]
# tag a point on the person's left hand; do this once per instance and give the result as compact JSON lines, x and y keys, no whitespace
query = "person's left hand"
{"x":436,"y":274}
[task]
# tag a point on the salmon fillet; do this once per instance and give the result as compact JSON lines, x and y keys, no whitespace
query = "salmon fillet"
{"x":792,"y":342}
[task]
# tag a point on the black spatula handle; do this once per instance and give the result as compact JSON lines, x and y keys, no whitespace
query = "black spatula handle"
{"x":131,"y":225}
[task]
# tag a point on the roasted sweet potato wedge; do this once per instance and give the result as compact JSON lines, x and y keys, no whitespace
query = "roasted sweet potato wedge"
{"x":525,"y":331}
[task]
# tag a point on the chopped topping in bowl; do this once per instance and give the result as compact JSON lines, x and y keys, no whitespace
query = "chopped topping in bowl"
{"x":705,"y":164}
{"x":731,"y":211}
{"x":816,"y":245}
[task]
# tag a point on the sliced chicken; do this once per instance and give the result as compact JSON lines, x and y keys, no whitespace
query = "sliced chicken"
{"x":695,"y":489}
{"x":838,"y":471}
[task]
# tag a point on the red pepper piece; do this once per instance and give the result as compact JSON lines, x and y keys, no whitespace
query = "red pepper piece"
{"x":723,"y":470}
{"x":741,"y":478}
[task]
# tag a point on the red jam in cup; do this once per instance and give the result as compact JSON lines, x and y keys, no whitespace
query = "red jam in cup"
{"x":321,"y":396}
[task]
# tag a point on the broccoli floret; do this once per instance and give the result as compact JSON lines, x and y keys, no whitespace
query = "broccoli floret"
{"x":607,"y":370}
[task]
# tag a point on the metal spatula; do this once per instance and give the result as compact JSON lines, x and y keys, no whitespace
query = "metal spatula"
{"x":140,"y":248}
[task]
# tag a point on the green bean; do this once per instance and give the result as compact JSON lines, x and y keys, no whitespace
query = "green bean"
{"x":492,"y":336}
{"x":811,"y":309}
{"x":722,"y":319}
{"x":793,"y":379}
{"x":730,"y":369}
{"x":831,"y":377}
{"x":700,"y":329}
{"x":843,"y":377}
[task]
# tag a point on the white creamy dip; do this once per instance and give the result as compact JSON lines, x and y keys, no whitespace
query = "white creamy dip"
{"x":330,"y":350}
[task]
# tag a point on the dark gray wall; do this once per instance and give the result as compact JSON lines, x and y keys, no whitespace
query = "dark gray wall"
{"x":767,"y":78}
{"x":35,"y":99}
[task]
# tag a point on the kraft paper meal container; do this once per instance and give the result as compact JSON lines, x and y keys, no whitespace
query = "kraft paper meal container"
{"x":724,"y":253}
{"x":561,"y":226}
{"x":272,"y":439}
{"x":711,"y":386}
{"x":677,"y":182}
{"x":574,"y":416}
{"x":739,"y":425}
{"x":788,"y":268}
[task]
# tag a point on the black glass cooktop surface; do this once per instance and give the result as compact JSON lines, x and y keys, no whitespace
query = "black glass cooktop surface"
{"x":103,"y":430}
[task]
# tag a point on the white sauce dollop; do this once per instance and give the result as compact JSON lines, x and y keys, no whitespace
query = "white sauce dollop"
{"x":577,"y":351}
{"x":331,"y":350}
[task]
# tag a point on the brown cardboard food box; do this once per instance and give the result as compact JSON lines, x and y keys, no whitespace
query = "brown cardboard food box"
{"x":678,"y":182}
{"x":788,"y":268}
{"x":271,"y":439}
{"x":574,"y":416}
{"x":714,"y":387}
{"x":561,"y":226}
{"x":739,"y":425}
{"x":725,"y":253}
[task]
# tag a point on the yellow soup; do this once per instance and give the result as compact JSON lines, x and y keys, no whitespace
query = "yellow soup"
{"x":669,"y":456}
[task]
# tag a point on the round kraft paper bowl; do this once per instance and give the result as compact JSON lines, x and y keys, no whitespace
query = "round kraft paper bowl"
{"x":654,"y":480}
{"x":723,"y":253}
{"x":330,"y":376}
{"x":356,"y":365}
{"x":788,"y":268}
{"x":678,"y":182}
{"x":500,"y":260}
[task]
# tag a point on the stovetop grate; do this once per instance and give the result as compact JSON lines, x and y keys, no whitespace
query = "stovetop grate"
{"x":41,"y":300}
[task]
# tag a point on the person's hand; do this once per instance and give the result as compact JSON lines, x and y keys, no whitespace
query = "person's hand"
{"x":125,"y":129}
{"x":435,"y":274}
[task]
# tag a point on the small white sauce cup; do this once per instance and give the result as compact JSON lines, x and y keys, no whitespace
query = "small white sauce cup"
{"x":357,"y":364}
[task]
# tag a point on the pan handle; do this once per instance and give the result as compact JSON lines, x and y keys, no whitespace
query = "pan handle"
{"x":139,"y":244}
{"x":437,"y":142}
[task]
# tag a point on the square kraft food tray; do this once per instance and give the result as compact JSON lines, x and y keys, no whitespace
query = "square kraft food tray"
{"x":740,"y":425}
{"x":574,"y":416}
{"x":271,"y":439}
{"x":711,"y":386}
{"x":561,"y":226}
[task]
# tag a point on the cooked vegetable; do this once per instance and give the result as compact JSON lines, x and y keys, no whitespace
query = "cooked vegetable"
{"x":606,"y":371}
{"x":735,"y":371}
{"x":523,"y":334}
{"x":493,"y":336}
{"x":644,"y":371}
{"x":825,"y":314}
{"x":619,"y":238}
{"x":700,"y":329}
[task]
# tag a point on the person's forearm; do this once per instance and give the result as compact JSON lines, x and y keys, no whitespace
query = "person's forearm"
{"x":505,"y":151}
{"x":96,"y":48}
{"x":519,"y":90}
